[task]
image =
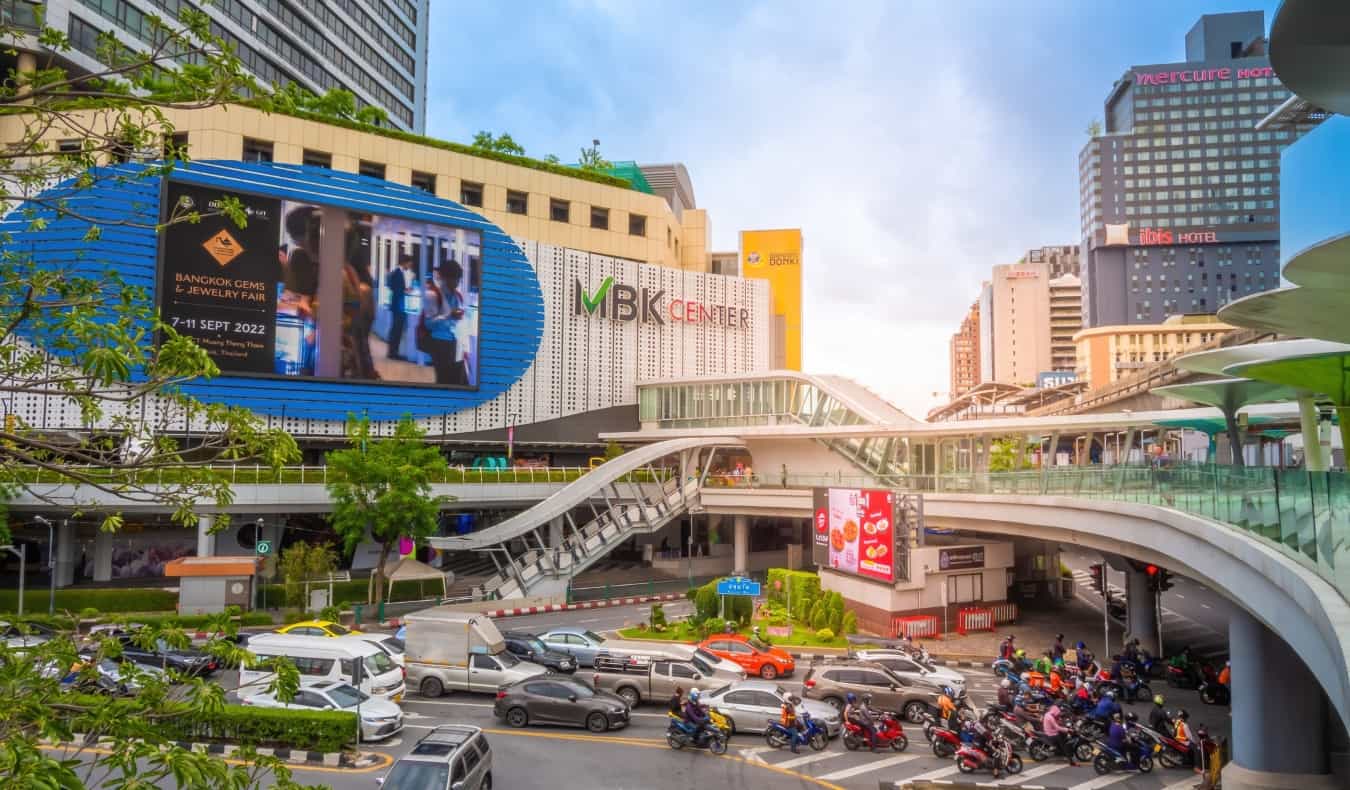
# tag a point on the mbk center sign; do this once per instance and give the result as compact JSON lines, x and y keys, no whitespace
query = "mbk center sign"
{"x":618,"y":302}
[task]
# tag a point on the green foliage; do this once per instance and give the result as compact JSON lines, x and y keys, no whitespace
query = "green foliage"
{"x":804,"y":587}
{"x":502,"y":143}
{"x":850,"y":625}
{"x":334,"y":104}
{"x":824,"y":634}
{"x":592,"y":161}
{"x":706,"y":602}
{"x":1008,"y":454}
{"x":330,"y":613}
{"x":382,"y":488}
{"x":312,"y":730}
{"x":820,"y":615}
{"x":835,"y":611}
{"x":658,"y":617}
{"x":349,"y":593}
{"x":293,"y":616}
{"x":103,"y":601}
{"x":301,"y":562}
{"x":712,"y":626}
{"x":612,"y":450}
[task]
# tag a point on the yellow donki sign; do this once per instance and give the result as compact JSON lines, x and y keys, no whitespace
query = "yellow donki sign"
{"x":776,"y":256}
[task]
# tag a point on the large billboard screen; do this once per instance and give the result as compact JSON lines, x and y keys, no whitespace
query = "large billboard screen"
{"x":855,"y":531}
{"x":776,"y":256}
{"x":306,"y":290}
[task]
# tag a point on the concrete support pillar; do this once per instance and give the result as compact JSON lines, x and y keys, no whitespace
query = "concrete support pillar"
{"x":1143,"y":611}
{"x":555,"y":532}
{"x":206,"y":542}
{"x":1050,"y":550}
{"x":103,"y":551}
{"x":1313,"y":460}
{"x":742,"y":543}
{"x":1279,"y":714}
{"x":65,"y":554}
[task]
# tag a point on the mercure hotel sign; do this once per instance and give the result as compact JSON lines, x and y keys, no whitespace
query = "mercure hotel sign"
{"x":1200,"y":75}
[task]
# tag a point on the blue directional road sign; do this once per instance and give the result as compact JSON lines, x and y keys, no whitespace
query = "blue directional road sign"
{"x":738,"y":585}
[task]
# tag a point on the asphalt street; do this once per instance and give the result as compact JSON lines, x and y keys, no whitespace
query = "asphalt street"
{"x":606,"y":619}
{"x":637,"y":757}
{"x":1192,"y":614}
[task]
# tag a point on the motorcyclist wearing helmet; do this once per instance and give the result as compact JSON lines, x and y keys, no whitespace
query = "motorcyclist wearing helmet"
{"x":1158,"y":720}
{"x":695,"y":715}
{"x":788,"y":718}
{"x":1054,"y":729}
{"x":947,"y":708}
{"x":1118,"y":738}
{"x":1226,"y":675}
{"x":1005,"y":696}
{"x":1184,"y":662}
{"x":1022,"y":703}
{"x":853,"y":713}
{"x":1045,"y":663}
{"x":1107,"y":707}
{"x":1085,"y":658}
{"x":1186,"y":735}
{"x":1007,"y":650}
{"x":1081,"y":698}
{"x":1057,"y":650}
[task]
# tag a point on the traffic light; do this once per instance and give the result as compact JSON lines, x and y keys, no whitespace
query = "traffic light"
{"x":1097,"y":570}
{"x":1152,"y":571}
{"x":1164,"y":581}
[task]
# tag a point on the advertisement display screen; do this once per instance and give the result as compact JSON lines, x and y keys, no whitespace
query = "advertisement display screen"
{"x":305,"y":290}
{"x":855,"y":531}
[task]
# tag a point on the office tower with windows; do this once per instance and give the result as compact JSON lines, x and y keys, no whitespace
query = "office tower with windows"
{"x":1179,"y":191}
{"x":377,"y":49}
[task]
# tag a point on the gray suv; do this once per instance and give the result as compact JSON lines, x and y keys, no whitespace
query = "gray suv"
{"x":450,"y":757}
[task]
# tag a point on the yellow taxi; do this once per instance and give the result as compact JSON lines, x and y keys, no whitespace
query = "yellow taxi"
{"x":316,"y":628}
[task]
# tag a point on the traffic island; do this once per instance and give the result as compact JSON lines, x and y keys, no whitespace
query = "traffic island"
{"x":230,"y":751}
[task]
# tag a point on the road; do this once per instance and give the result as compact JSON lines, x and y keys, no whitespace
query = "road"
{"x":606,"y":619}
{"x":638,"y":757}
{"x":1192,"y":613}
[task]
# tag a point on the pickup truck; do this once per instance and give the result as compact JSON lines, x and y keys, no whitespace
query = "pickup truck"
{"x":638,"y":680}
{"x":449,"y":650}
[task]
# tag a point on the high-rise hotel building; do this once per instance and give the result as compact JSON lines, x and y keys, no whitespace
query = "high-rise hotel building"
{"x":1179,"y":192}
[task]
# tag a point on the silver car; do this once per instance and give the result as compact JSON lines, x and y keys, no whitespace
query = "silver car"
{"x":582,"y":644}
{"x":911,"y":669}
{"x":450,"y":757}
{"x":749,"y":704}
{"x":380,"y":718}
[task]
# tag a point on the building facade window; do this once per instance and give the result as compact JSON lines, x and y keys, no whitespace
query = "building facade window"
{"x":599,"y":218}
{"x":257,"y":150}
{"x":372,"y":169}
{"x":471,"y":193}
{"x":424,"y":181}
{"x":316,"y":158}
{"x":559,"y":210}
{"x":517,"y":202}
{"x":637,"y":225}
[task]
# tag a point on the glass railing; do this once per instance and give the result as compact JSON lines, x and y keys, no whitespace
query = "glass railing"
{"x":248,"y":474}
{"x":1306,"y":514}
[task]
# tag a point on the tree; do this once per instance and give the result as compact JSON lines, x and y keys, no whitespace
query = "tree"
{"x":302,"y":563}
{"x":592,"y":160}
{"x":612,"y":450}
{"x":382,"y":487}
{"x":502,"y":143}
{"x":77,"y":332}
{"x":334,"y":103}
{"x":1094,"y":129}
{"x":1008,"y":454}
{"x":138,"y":735}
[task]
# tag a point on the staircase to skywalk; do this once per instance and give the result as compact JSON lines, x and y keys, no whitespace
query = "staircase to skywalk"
{"x":537,"y":552}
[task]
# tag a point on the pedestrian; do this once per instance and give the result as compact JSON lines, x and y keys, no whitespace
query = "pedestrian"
{"x":785,"y":475}
{"x":397,"y":282}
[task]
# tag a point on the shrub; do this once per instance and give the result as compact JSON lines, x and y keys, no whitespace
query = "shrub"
{"x":103,"y":600}
{"x":850,"y":623}
{"x":825,"y":635}
{"x":803,"y":586}
{"x":820,"y":615}
{"x":658,"y":618}
{"x":331,"y":614}
{"x":296,"y":616}
{"x":835,"y":608}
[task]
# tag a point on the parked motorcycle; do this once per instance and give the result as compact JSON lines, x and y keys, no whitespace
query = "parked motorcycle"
{"x":1171,"y":752}
{"x":889,"y":734}
{"x":1105,"y":759}
{"x":680,"y":734}
{"x":1041,"y":747}
{"x":972,"y":757}
{"x":813,"y":733}
{"x":944,"y":742}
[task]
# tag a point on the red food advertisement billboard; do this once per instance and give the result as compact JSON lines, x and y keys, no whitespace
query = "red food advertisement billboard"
{"x":859,"y":531}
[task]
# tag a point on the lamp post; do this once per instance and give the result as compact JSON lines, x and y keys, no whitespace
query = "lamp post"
{"x":51,"y":563}
{"x":511,"y":435}
{"x":257,"y":536}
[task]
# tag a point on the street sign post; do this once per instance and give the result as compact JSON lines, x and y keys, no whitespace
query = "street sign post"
{"x":738,"y":585}
{"x":264,"y":547}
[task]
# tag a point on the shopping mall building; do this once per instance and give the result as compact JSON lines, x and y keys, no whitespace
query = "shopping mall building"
{"x":509,"y":305}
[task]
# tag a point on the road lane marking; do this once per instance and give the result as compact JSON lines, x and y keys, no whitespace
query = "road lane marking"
{"x":1103,"y":781}
{"x":753,"y":754}
{"x":869,"y":767}
{"x":1204,"y":606}
{"x":386,"y":760}
{"x":808,"y":759}
{"x":1179,"y":595}
{"x":653,"y":744}
{"x":1032,"y":773}
{"x":1184,"y":784}
{"x":939,"y":773}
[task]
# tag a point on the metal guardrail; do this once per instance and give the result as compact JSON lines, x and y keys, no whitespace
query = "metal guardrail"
{"x":243,"y":474}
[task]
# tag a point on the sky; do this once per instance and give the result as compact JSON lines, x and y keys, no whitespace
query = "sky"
{"x":917,"y":144}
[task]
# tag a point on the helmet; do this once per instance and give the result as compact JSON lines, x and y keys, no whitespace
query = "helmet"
{"x":1059,"y":637}
{"x":1115,"y":717}
{"x":1082,"y":646}
{"x":1183,"y":715}
{"x":948,"y":691}
{"x":1010,"y":637}
{"x":851,"y":697}
{"x":693,"y":695}
{"x":1158,"y":700}
{"x":794,"y":699}
{"x":1110,"y":695}
{"x":1021,"y":653}
{"x":1006,"y":683}
{"x":1026,"y":677}
{"x":867,"y":698}
{"x":1131,"y":717}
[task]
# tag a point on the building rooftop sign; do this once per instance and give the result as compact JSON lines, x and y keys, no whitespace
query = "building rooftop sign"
{"x":1200,"y":75}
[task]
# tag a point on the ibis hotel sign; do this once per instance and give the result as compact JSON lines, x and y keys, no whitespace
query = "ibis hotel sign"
{"x":619,"y":302}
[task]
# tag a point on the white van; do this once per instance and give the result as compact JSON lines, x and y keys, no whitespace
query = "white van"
{"x":348,"y":659}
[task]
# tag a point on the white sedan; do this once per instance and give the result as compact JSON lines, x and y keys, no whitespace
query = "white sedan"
{"x":379,"y":718}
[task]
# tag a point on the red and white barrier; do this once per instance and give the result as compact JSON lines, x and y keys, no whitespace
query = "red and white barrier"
{"x":968,"y":620}
{"x":914,"y":626}
{"x":1004,"y":612}
{"x":570,"y":607}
